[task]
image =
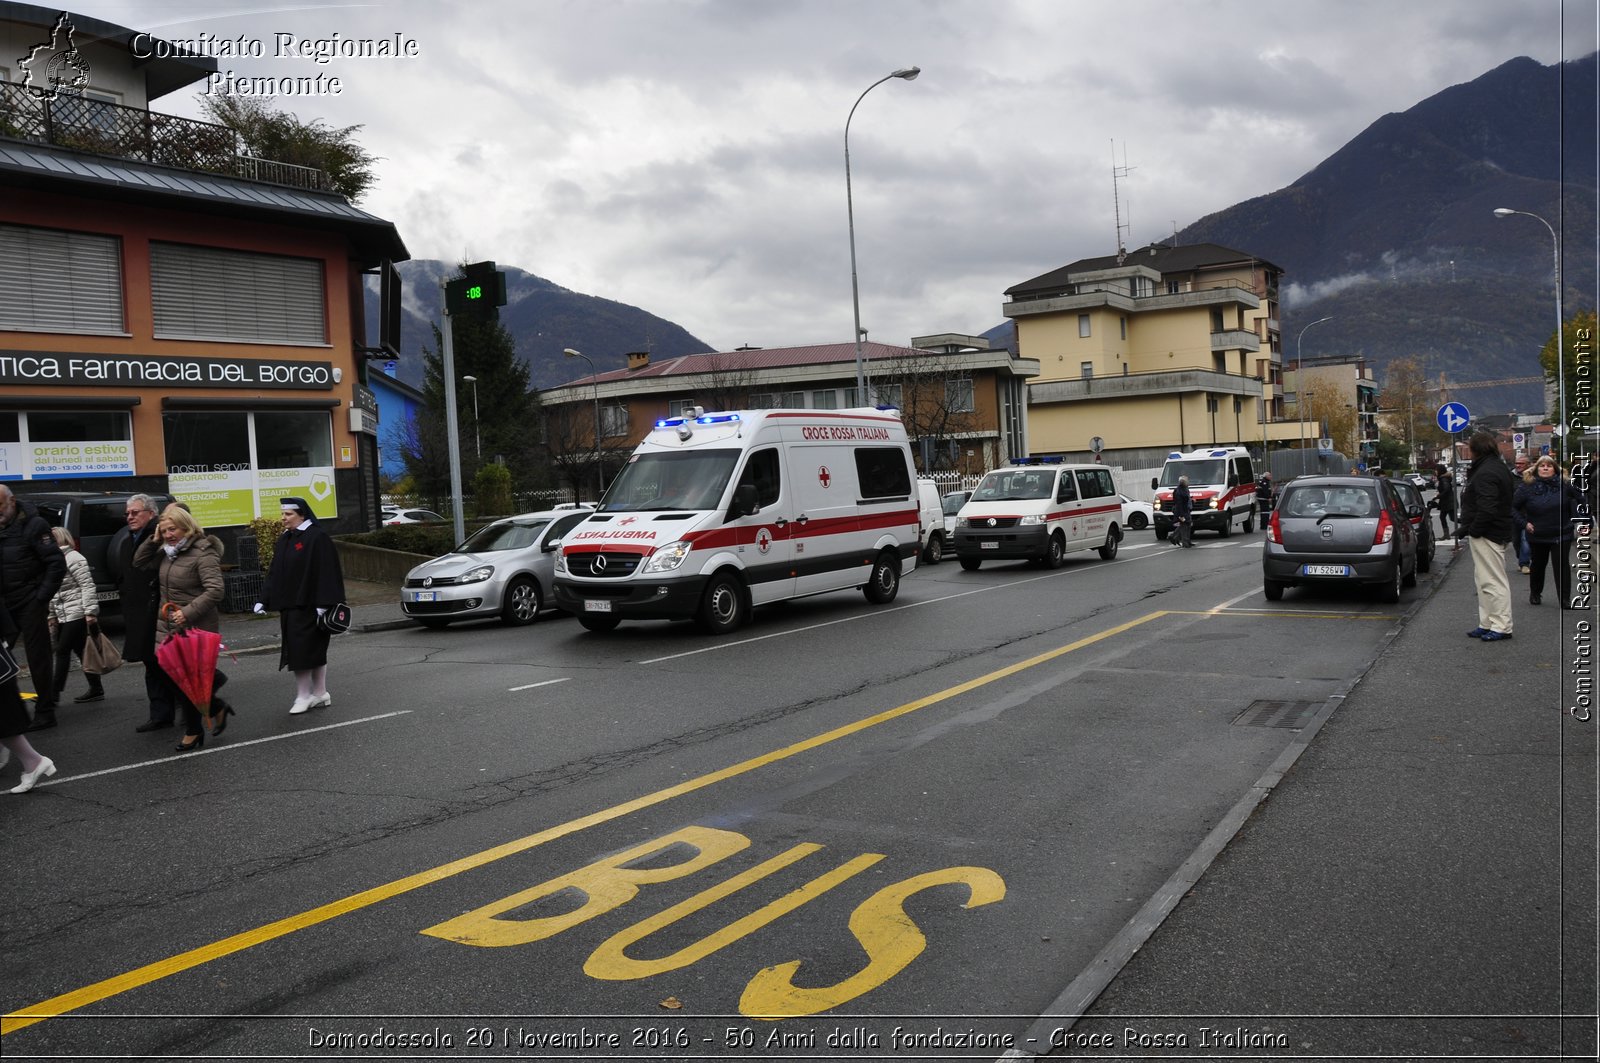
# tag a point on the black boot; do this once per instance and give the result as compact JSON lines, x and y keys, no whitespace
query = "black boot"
{"x":1534,"y":598}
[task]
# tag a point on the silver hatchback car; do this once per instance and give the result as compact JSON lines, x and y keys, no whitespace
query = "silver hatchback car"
{"x":503,"y":569}
{"x":1339,"y":529}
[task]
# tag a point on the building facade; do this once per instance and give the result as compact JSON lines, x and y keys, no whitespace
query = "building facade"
{"x":174,"y":316}
{"x":1150,"y":350}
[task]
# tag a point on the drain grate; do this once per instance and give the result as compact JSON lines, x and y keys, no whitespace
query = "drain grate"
{"x":1290,"y":714}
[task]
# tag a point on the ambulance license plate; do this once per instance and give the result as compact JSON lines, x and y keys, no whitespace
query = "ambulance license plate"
{"x":596,"y":605}
{"x":989,"y":546}
{"x":1326,"y":570}
{"x":425,"y":596}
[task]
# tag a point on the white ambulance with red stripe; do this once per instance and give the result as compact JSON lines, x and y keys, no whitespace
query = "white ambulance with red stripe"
{"x":1222,"y":489}
{"x":1039,"y":509}
{"x":716,"y":513}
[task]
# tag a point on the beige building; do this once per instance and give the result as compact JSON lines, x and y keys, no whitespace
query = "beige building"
{"x":1152,"y":350}
{"x":1338,"y":399}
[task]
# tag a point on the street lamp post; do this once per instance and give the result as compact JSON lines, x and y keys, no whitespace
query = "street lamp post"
{"x":594,"y":377}
{"x":477,"y":434}
{"x":1561,"y":374}
{"x":1300,"y":388}
{"x":908,"y":74}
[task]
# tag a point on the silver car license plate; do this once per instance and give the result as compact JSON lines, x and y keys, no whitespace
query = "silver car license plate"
{"x":1326,"y":570}
{"x":425,"y":596}
{"x":596,"y":605}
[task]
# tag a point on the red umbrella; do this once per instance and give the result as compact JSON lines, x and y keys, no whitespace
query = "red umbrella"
{"x":189,"y":657}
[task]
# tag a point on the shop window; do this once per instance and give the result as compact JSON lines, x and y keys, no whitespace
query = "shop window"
{"x":207,"y":293}
{"x":57,"y":281}
{"x":206,"y":441}
{"x":293,"y":439}
{"x":10,"y":429}
{"x":73,"y":426}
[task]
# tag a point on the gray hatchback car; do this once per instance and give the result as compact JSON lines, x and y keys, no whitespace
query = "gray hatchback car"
{"x":1339,"y":529}
{"x":502,"y":570}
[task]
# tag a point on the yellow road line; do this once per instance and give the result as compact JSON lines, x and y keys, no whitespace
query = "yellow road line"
{"x":184,"y":961}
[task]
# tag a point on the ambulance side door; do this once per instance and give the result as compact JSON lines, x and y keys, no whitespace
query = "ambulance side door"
{"x":1099,"y":505}
{"x":1064,"y":512}
{"x":827,"y":530}
{"x":766,"y":537}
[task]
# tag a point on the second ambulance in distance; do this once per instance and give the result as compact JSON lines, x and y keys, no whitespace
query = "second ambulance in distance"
{"x":717,"y":513}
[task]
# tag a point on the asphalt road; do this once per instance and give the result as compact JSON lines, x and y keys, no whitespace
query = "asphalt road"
{"x":902,"y":829}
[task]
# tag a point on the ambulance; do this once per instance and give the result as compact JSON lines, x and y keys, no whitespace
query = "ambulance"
{"x":717,"y":513}
{"x":1222,"y":489}
{"x":1039,"y":510}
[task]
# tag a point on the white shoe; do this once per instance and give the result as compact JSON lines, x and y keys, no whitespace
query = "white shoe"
{"x":301,"y":705}
{"x":46,"y":768}
{"x":321,"y":701}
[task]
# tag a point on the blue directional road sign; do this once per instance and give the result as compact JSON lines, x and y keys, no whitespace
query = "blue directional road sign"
{"x":1453,"y":417}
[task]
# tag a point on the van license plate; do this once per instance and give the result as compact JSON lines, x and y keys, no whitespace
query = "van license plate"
{"x":1326,"y":570}
{"x":425,"y":596}
{"x":106,"y":596}
{"x":596,"y":605}
{"x":989,"y":546}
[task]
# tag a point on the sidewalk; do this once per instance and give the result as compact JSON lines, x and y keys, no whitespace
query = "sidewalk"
{"x":373,"y":607}
{"x":1421,"y":881}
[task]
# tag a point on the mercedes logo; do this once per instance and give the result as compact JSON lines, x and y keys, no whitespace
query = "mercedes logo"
{"x":599,"y":563}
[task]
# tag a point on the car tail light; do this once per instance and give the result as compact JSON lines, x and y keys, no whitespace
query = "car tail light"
{"x":1274,"y":529}
{"x":1385,"y":530}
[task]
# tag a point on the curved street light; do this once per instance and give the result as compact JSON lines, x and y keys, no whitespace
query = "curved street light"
{"x":1300,"y":389}
{"x":1561,"y":375}
{"x":594,"y":378}
{"x":907,"y":74}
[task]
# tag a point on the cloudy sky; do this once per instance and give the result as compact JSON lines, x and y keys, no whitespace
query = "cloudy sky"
{"x":687,"y":156}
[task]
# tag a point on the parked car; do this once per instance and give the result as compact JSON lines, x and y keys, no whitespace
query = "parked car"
{"x":1417,"y":509}
{"x":413,"y":516}
{"x":930,"y":517}
{"x":503,"y":569}
{"x":97,"y":520}
{"x":1339,"y":529}
{"x":1136,"y":515}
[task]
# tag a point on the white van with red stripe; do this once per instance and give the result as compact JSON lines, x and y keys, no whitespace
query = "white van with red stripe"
{"x":1039,"y":510}
{"x":1222,"y":489}
{"x":716,"y":513}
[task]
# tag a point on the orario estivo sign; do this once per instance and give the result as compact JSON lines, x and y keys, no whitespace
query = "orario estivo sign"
{"x":158,"y":370}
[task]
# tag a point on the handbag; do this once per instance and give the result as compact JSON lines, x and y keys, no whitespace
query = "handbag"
{"x":9,"y":669}
{"x":335,"y":620}
{"x":99,"y":655}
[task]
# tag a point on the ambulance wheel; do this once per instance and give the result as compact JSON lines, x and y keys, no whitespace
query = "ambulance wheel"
{"x":1227,"y":525}
{"x":1058,"y":552}
{"x":1250,"y":521}
{"x":970,"y":564}
{"x":1108,"y":551}
{"x":722,"y":609}
{"x":599,"y":623}
{"x":885,"y":582}
{"x":935,"y":549}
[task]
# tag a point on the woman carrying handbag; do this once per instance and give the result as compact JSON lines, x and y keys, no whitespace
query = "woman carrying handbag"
{"x":189,"y":567}
{"x":71,"y":615}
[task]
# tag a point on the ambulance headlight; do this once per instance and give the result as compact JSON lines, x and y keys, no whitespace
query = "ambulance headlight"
{"x":667,"y":558}
{"x":1030,"y":518}
{"x":561,"y":562}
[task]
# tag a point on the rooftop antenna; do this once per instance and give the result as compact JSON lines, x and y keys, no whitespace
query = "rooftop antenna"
{"x":1119,"y":173}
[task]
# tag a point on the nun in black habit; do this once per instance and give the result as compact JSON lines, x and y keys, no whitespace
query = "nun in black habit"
{"x":303,"y":582}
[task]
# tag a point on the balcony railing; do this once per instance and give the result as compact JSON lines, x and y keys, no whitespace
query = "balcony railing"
{"x":103,"y":128}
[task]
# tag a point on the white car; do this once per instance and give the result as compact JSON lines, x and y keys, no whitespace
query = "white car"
{"x":1136,"y":515}
{"x":503,"y":570}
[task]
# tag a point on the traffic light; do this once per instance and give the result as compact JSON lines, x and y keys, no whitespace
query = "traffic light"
{"x":481,"y":291}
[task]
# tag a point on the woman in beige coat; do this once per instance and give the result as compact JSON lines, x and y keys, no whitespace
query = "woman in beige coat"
{"x":189,"y":581}
{"x":72,"y":616}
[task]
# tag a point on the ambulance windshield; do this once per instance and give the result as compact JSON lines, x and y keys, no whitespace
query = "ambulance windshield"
{"x":1199,"y":471}
{"x":1015,"y":485}
{"x":670,"y":481}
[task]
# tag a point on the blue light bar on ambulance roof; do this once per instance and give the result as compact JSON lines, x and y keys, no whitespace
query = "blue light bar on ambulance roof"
{"x":1037,"y":461}
{"x":669,"y":422}
{"x":716,"y":418}
{"x":1174,"y":454}
{"x":1219,"y":453}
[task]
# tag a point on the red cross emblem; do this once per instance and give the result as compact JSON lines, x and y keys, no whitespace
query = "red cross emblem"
{"x":763,"y":540}
{"x":298,"y":545}
{"x":627,"y":520}
{"x":824,"y":477}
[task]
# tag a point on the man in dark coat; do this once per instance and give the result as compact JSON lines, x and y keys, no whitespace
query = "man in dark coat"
{"x":1486,"y":522}
{"x":137,"y":589}
{"x":1445,"y":500}
{"x":303,"y":582}
{"x":1183,"y":512}
{"x":34,"y":567}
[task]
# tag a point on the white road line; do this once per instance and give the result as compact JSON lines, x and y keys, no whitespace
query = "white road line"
{"x":530,"y":686}
{"x":173,"y":757}
{"x":1231,"y":601}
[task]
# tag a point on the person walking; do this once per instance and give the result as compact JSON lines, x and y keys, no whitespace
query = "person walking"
{"x":189,"y":580}
{"x":1183,"y":512}
{"x":1547,"y":508}
{"x":140,"y":597}
{"x":1486,"y":519}
{"x":31,"y":570}
{"x":14,"y":722}
{"x":1445,"y":500}
{"x":303,"y":582}
{"x":72,"y":614}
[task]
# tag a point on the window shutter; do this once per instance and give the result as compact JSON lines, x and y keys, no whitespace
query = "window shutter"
{"x":241,"y":296}
{"x":57,"y":281}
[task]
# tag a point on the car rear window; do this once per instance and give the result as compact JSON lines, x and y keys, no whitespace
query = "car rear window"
{"x":103,"y":518}
{"x":1333,"y":501}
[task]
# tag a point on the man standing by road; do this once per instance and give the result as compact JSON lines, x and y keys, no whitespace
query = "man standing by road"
{"x":32,"y":567}
{"x":1183,"y":512}
{"x":140,"y":598}
{"x":1486,"y":521}
{"x":1446,"y":501}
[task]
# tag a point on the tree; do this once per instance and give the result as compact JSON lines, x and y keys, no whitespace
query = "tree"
{"x":1578,"y":356}
{"x":281,"y":137}
{"x":1409,"y":407}
{"x":936,"y":398}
